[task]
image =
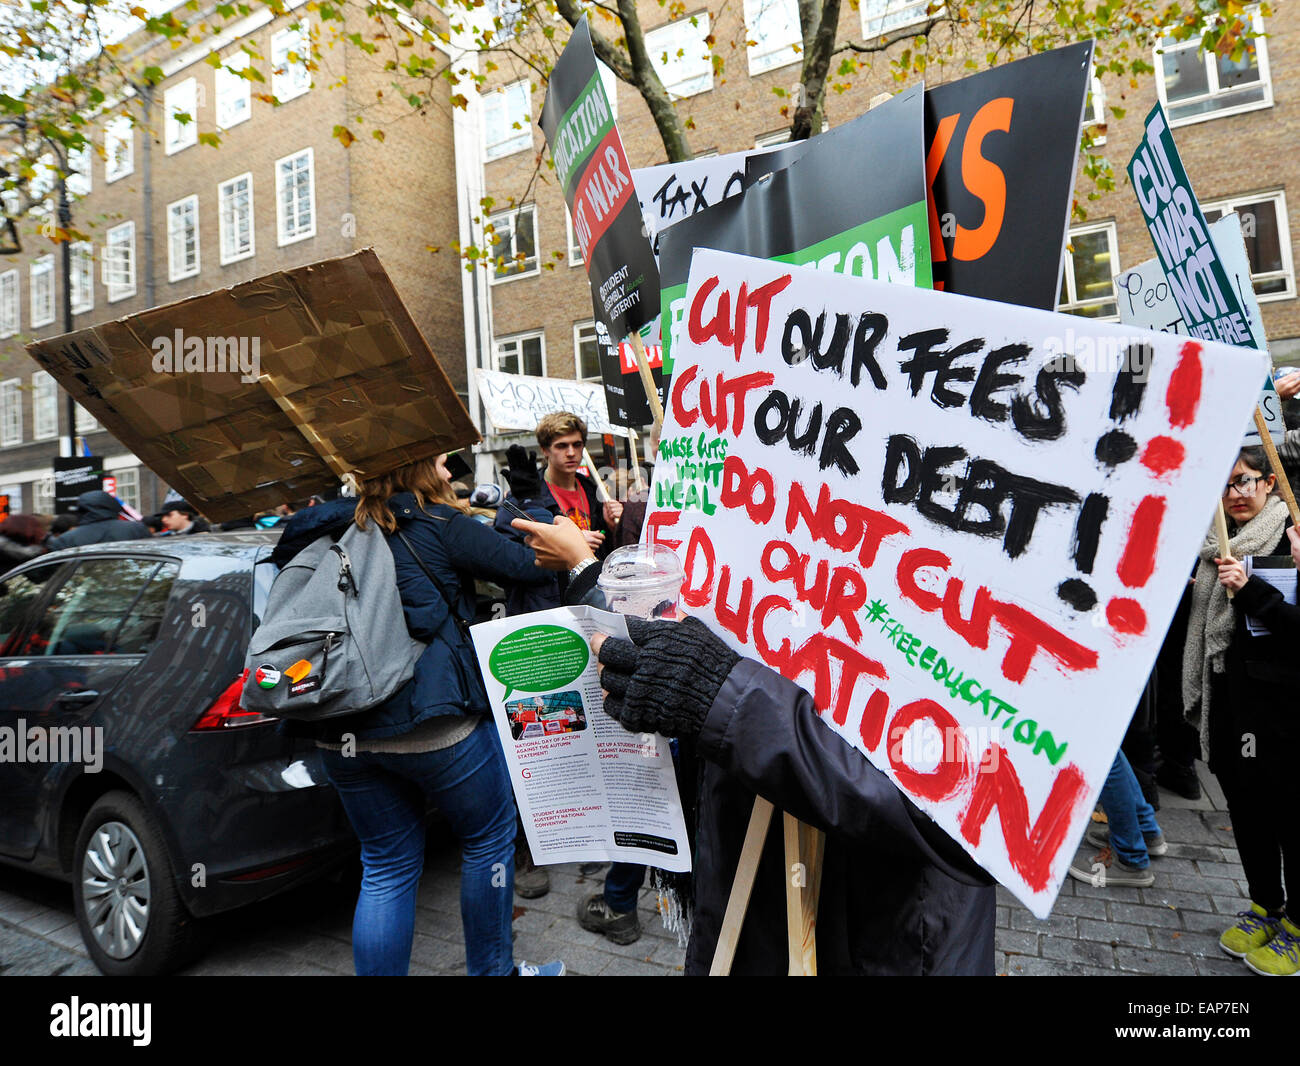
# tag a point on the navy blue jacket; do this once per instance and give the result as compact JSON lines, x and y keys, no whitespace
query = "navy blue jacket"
{"x":526,"y":597}
{"x":456,"y":549}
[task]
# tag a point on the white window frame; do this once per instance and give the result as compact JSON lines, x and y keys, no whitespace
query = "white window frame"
{"x":518,"y":339}
{"x":181,"y":99}
{"x":282,"y":236}
{"x":128,"y":486}
{"x":610,"y":81}
{"x":512,"y":140}
{"x":771,"y":140}
{"x":83,"y":277}
{"x":224,"y":198}
{"x":176,"y":210}
{"x":1278,"y":197}
{"x":575,"y":249}
{"x":84,"y":422}
{"x":881,"y":18}
{"x":508,"y":11}
{"x":1212,"y":78}
{"x":1074,"y":303}
{"x":680,"y":79}
{"x":11,"y":320}
{"x":119,"y":148}
{"x":43,"y":495}
{"x":1096,"y":115}
{"x":293,"y":79}
{"x":119,"y":289}
{"x":11,"y":412}
{"x":45,"y":406}
{"x":80,"y":178}
{"x":763,"y":54}
{"x":41,"y":276}
{"x":508,"y":254}
{"x":578,"y":329}
{"x":232,"y":90}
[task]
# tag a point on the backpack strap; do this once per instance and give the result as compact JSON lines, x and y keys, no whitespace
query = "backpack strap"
{"x":461,"y":624}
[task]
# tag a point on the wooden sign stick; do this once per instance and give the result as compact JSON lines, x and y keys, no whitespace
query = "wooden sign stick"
{"x":636,"y":465}
{"x":647,"y":378}
{"x":1221,"y":531}
{"x":602,"y":492}
{"x":803,"y":851}
{"x":1270,"y":449}
{"x":741,"y":888}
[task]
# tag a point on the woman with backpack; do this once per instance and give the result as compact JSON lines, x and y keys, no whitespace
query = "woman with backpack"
{"x":431,"y":744}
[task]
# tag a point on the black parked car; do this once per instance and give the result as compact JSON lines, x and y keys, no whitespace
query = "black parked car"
{"x":131,"y":771}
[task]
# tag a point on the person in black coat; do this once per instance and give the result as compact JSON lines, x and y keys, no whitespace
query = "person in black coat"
{"x":898,"y":895}
{"x":433,"y":742}
{"x":99,"y":519}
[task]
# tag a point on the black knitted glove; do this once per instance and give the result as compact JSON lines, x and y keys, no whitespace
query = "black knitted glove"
{"x":521,"y":472}
{"x":665,"y":679}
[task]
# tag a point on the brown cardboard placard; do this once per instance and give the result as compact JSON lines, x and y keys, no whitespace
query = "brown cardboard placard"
{"x":342,"y":381}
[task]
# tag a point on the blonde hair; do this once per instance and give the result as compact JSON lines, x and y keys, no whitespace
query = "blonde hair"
{"x":420,"y":478}
{"x":559,"y":424}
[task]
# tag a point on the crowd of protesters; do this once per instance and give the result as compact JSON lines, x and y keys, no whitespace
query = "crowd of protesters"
{"x":898,"y":895}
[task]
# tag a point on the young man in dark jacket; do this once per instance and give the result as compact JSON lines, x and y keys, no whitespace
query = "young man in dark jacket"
{"x":98,"y":520}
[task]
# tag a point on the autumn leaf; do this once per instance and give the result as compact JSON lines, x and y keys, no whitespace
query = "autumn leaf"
{"x":344,"y":136}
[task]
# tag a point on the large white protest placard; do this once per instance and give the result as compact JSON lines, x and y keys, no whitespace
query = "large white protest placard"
{"x":517,"y":401}
{"x":587,"y":789}
{"x":965,"y":542}
{"x":1147,"y":300}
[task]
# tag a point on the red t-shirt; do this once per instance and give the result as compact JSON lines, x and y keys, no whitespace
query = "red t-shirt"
{"x":573,"y":505}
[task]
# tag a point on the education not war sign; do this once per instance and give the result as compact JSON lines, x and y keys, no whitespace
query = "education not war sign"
{"x":854,"y":204}
{"x":597,"y":181}
{"x":1000,"y":154}
{"x":963,"y":537}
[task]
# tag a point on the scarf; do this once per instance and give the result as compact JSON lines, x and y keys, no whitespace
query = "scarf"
{"x":1210,"y":626}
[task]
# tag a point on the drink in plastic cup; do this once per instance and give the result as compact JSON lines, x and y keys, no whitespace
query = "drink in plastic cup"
{"x":643,"y":580}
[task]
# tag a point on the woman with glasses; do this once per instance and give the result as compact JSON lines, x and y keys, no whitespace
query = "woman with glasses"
{"x":1240,"y":682}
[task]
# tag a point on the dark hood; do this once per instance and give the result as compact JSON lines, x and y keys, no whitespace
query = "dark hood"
{"x":96,"y":506}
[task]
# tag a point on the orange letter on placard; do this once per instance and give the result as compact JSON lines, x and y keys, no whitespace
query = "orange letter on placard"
{"x":984,"y":179}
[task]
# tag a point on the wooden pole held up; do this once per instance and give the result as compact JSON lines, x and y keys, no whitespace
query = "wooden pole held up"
{"x":741,"y":888}
{"x":1270,"y":449}
{"x":647,"y":378}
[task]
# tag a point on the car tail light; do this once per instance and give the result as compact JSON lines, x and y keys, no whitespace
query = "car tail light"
{"x":225,"y":712}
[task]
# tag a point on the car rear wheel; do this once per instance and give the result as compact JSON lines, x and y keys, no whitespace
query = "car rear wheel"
{"x":131,"y":917}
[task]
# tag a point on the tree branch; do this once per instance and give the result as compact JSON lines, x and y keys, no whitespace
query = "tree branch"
{"x":888,"y":40}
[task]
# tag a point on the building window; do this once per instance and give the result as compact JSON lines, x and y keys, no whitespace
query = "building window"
{"x":1268,"y":241}
{"x":119,"y":262}
{"x":1091,"y":265}
{"x":128,"y":486}
{"x":524,"y":354}
{"x":1196,"y":86}
{"x":11,"y":412}
{"x":507,"y":121}
{"x":880,"y":17}
{"x":83,"y":277}
{"x":575,"y":249}
{"x":183,"y":238}
{"x":771,"y":140}
{"x":514,"y":243}
{"x":681,"y":56}
{"x":43,"y":496}
{"x":586,"y":351}
{"x":610,"y":82}
{"x":45,"y":406}
{"x":235,"y":205}
{"x":505,"y":15}
{"x":80,"y":178}
{"x":775,"y":38}
{"x":1094,"y":113}
{"x":84,"y":422}
{"x":290,"y":51}
{"x":119,"y":148}
{"x":233,"y":92}
{"x":181,"y":106}
{"x":10,"y":321}
{"x":295,"y":199}
{"x":42,"y":291}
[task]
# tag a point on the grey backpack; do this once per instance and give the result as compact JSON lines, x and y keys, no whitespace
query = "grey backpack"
{"x":333,"y":638}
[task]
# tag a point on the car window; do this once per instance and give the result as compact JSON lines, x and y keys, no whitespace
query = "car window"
{"x":21,"y":592}
{"x":106,"y":605}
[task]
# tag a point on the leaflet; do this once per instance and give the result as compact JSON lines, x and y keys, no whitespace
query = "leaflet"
{"x":587,"y":789}
{"x":1280,"y":572}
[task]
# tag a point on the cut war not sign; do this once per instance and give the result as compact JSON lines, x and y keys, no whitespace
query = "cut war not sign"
{"x":965,"y":542}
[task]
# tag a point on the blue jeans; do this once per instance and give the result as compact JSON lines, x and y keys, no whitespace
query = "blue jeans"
{"x":1130,"y":817}
{"x":623,"y":885}
{"x":385,"y":797}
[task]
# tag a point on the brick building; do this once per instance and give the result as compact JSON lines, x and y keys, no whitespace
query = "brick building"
{"x":282,"y":191}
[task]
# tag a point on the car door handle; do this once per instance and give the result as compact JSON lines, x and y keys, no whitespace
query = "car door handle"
{"x":88,"y":696}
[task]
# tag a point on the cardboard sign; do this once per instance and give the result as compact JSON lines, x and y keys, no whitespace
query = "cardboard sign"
{"x":269,"y":391}
{"x":1197,"y":278}
{"x":854,"y":203}
{"x":597,"y":181}
{"x":517,"y":401}
{"x":1145,"y":299}
{"x":1001,"y":150}
{"x":962,"y":529}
